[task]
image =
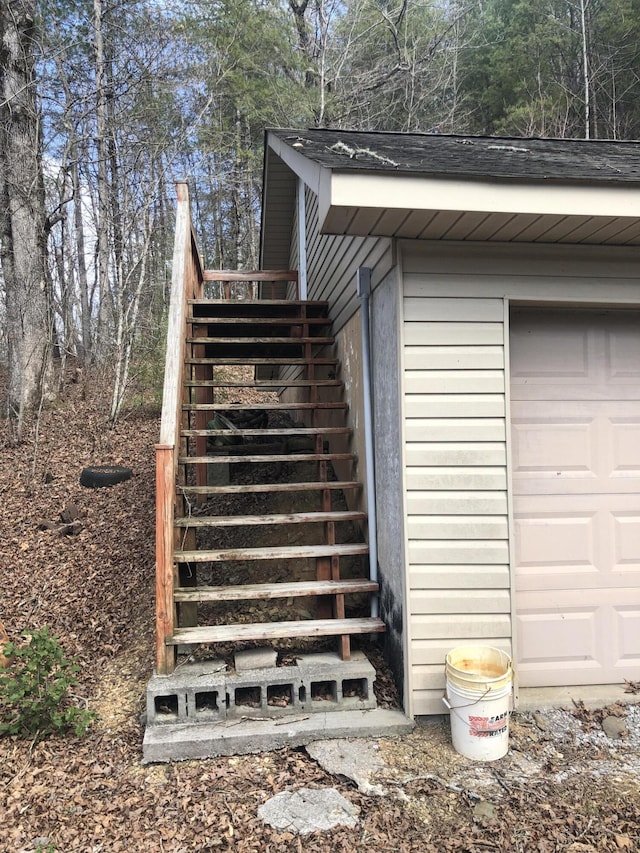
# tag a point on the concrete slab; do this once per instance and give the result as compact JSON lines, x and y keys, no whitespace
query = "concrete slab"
{"x":322,"y":660}
{"x":593,"y":696}
{"x":255,"y":659}
{"x":309,"y":810}
{"x":182,"y":742}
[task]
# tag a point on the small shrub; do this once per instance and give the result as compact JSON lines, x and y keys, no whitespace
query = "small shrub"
{"x":34,"y":689}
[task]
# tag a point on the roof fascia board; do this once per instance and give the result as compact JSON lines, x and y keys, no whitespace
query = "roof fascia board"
{"x":349,"y":189}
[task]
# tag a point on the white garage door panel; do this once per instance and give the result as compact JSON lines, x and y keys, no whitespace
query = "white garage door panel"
{"x":566,"y":640}
{"x":575,"y":388}
{"x":627,"y":622}
{"x":576,"y":446}
{"x":557,"y":546}
{"x":574,"y":638}
{"x":575,"y":355}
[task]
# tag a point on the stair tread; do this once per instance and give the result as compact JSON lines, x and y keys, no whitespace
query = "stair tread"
{"x":262,"y":384}
{"x":288,"y":431}
{"x":296,"y":303}
{"x":261,"y":321}
{"x":249,"y":407}
{"x":245,"y":448}
{"x":275,"y":518}
{"x":275,"y":630}
{"x":260,"y":591}
{"x":237,"y":489}
{"x":258,"y":361}
{"x":286,"y":552}
{"x":217,"y":459}
{"x":241,"y":340}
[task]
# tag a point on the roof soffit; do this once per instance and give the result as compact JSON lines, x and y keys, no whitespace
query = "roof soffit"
{"x":391,"y":203}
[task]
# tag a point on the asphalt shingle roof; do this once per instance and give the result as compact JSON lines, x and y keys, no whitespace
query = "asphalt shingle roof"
{"x":477,"y":157}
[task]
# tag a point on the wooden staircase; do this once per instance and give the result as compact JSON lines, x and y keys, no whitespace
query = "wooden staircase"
{"x":245,"y":477}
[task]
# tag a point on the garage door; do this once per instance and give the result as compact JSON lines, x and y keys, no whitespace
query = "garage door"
{"x":575,"y":392}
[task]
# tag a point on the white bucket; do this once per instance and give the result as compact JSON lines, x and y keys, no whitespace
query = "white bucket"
{"x":479,"y":683}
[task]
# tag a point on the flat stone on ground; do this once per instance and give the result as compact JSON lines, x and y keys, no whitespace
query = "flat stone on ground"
{"x":358,"y":760}
{"x":309,"y":810}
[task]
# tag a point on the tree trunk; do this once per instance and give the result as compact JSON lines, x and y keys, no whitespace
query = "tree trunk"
{"x":101,"y":342}
{"x":22,"y":215}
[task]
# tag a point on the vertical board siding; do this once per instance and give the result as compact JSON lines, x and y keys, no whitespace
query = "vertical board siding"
{"x":456,"y":479}
{"x":294,"y":253}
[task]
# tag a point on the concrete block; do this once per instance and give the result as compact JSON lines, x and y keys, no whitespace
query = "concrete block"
{"x":331,"y":659}
{"x":271,"y":692}
{"x":334,"y":682}
{"x":179,"y":697}
{"x":204,"y":692}
{"x":255,"y":659}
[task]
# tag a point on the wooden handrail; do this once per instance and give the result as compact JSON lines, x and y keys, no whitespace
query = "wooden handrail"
{"x":251,"y":275}
{"x":186,"y":283}
{"x":272,"y":277}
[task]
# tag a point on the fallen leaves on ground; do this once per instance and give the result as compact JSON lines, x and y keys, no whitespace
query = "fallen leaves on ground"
{"x":95,"y":590}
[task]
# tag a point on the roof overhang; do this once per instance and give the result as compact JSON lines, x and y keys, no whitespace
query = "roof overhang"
{"x":436,"y":208}
{"x":420,"y":206}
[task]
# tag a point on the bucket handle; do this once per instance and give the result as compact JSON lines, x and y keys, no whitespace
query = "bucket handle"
{"x":469,"y":704}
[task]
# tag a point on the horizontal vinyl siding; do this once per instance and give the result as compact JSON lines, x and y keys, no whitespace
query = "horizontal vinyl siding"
{"x":332,"y":261}
{"x":530,"y":273}
{"x":456,"y":480}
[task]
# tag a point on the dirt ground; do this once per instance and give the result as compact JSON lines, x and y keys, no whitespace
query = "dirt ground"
{"x":565,"y":784}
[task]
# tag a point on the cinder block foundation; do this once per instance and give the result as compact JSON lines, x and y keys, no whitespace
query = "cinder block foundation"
{"x":206,"y":692}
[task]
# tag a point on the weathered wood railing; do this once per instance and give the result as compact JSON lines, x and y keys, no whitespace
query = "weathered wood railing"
{"x":273,"y":284}
{"x":186,"y":283}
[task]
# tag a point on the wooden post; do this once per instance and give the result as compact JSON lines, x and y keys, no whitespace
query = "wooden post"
{"x":165,"y":568}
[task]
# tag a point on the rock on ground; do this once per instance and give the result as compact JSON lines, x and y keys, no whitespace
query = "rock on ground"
{"x":358,"y":760}
{"x":309,"y":810}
